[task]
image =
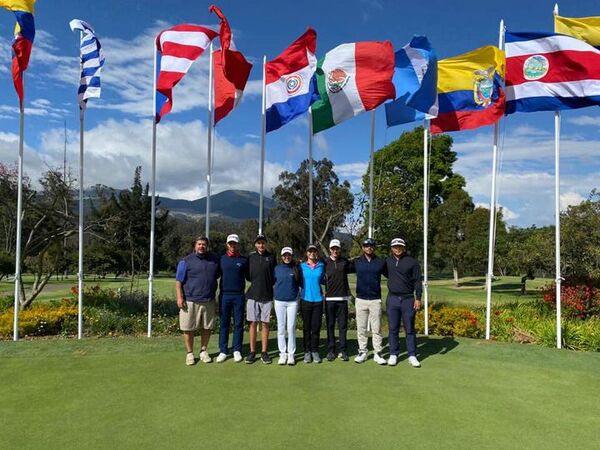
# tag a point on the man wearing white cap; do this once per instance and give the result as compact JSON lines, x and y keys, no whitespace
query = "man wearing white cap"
{"x":337,"y":294}
{"x":234,"y":269}
{"x":404,"y":300}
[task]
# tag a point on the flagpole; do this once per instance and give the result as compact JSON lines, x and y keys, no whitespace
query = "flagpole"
{"x":80,"y":263}
{"x":310,"y":177}
{"x":153,"y":203}
{"x":262,"y":148}
{"x":492,"y":229}
{"x":425,"y":223}
{"x":210,"y":128}
{"x":19,"y":223}
{"x":371,"y":174}
{"x":557,"y":225}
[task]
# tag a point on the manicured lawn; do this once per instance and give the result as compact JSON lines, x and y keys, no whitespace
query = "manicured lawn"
{"x":471,"y":291}
{"x":137,"y":393}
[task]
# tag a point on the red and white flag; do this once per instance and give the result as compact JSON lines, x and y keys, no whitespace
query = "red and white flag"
{"x":177,"y":48}
{"x":231,"y":71}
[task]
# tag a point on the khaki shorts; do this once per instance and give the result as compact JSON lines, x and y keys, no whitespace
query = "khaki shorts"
{"x":198,"y":315}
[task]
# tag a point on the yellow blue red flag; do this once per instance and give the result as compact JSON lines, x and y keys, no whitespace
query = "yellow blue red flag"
{"x":584,"y":28}
{"x":470,"y":90}
{"x":24,"y":36}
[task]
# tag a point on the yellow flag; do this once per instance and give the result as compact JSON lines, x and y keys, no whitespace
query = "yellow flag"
{"x":586,"y":29}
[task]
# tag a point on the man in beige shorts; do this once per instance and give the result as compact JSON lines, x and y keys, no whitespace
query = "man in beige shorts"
{"x":195,"y":285}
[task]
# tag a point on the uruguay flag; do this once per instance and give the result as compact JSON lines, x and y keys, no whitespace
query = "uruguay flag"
{"x":415,"y":80}
{"x":290,"y":84}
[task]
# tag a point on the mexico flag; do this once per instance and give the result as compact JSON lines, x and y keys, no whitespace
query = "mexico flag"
{"x":352,"y":78}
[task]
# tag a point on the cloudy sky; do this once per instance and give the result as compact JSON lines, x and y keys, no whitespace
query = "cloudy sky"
{"x":118,"y":126}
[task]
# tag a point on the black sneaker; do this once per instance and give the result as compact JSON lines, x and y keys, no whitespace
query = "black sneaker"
{"x":250,"y":358}
{"x":343,"y":356}
{"x":330,"y":356}
{"x":266,"y":359}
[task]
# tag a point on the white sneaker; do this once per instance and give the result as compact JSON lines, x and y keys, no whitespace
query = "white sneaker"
{"x":361,"y":357}
{"x":316,"y":357}
{"x":282,"y":361}
{"x":291,"y":361}
{"x":205,"y":357}
{"x":237,"y":357}
{"x":413,"y":361}
{"x":189,"y":359}
{"x":393,"y":360}
{"x":379,"y":359}
{"x":222,"y":357}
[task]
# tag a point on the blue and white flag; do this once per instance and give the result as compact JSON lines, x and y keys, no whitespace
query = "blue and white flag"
{"x":415,"y":80}
{"x":92,"y":60}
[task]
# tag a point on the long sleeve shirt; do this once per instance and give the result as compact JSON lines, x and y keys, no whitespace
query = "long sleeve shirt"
{"x":404,"y":276}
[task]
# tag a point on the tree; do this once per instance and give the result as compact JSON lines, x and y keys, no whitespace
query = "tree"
{"x":333,"y":201}
{"x":448,"y":224}
{"x":398,"y":190}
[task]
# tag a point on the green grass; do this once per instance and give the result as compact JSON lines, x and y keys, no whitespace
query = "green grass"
{"x":471,"y":291}
{"x":137,"y":393}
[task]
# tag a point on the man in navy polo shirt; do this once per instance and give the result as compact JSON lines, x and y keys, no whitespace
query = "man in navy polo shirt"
{"x":234,"y":270}
{"x":403,"y":301}
{"x":195,"y":286}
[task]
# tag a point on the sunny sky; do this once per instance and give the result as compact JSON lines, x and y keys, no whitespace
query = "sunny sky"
{"x":118,"y":126}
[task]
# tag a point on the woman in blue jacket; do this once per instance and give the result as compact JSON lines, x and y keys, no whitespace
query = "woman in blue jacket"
{"x":311,"y":303}
{"x":285,"y":293}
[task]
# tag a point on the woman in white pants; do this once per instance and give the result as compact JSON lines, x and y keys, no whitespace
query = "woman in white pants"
{"x":285,"y":292}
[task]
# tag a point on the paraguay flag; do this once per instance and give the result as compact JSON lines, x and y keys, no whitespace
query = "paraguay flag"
{"x":24,"y":36}
{"x":290,"y":84}
{"x":550,"y":72}
{"x":415,"y":80}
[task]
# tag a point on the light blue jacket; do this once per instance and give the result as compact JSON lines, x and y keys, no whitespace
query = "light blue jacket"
{"x":312,"y":278}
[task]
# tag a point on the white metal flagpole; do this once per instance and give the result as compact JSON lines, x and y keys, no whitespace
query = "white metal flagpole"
{"x":371,"y":174}
{"x":210,"y":127}
{"x":557,"y":225}
{"x":80,"y":263}
{"x":19,"y":224}
{"x":425,"y":224}
{"x":492,"y":232}
{"x":153,"y":204}
{"x":262,"y":149}
{"x":310,"y":177}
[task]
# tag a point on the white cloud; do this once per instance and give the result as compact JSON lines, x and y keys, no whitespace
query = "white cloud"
{"x":585,"y":120}
{"x":570,"y":199}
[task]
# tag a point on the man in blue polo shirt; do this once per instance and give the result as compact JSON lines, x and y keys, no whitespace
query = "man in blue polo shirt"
{"x":234,"y":270}
{"x":195,"y":286}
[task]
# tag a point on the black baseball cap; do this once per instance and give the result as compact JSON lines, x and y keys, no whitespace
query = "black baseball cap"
{"x":260,"y":237}
{"x":369,"y":241}
{"x":312,"y":247}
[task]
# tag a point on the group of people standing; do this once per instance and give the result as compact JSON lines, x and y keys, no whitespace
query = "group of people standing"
{"x":312,"y":286}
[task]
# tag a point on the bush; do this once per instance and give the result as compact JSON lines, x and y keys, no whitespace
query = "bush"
{"x":579,"y":298}
{"x":6,"y":302}
{"x":39,"y":320}
{"x":451,"y":321}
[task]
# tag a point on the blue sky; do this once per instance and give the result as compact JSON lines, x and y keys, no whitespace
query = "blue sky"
{"x":118,"y":125}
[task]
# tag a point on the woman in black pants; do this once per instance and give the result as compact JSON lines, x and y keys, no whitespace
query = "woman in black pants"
{"x":311,"y":303}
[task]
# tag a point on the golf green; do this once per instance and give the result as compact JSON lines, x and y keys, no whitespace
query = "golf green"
{"x":138,"y":393}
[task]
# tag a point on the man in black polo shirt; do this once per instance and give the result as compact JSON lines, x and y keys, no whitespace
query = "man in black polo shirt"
{"x":403,"y":301}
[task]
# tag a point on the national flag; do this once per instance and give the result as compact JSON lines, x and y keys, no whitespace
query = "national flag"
{"x":352,"y":78}
{"x":176,"y":49}
{"x":231,"y":70}
{"x":92,"y":61}
{"x":550,"y":72}
{"x":24,"y":36}
{"x":470,"y":93}
{"x":415,"y":80}
{"x":585,"y":28}
{"x":290,"y":83}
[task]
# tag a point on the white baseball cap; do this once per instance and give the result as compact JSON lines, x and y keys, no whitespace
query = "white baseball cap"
{"x":335,"y":243}
{"x":285,"y":250}
{"x":233,"y":238}
{"x":397,"y":241}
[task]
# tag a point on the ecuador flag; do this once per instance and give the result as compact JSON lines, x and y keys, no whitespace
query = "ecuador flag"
{"x":24,"y":35}
{"x":585,"y":28}
{"x":470,"y":90}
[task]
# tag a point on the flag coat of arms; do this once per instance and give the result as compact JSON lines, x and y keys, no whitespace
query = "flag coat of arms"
{"x":415,"y":80}
{"x":550,"y":72}
{"x":470,"y":93}
{"x":231,"y":70}
{"x":352,"y":78}
{"x":23,"y":42}
{"x":176,"y":49}
{"x":585,"y":28}
{"x":290,"y":82}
